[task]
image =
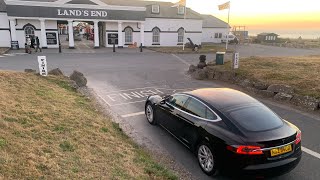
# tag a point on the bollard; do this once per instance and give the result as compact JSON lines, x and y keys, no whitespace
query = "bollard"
{"x":141,"y":47}
{"x":59,"y":47}
{"x":114,"y":46}
{"x":25,"y":48}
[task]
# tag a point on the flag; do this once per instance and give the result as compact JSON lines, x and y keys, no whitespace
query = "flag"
{"x":180,"y":3}
{"x":224,"y":6}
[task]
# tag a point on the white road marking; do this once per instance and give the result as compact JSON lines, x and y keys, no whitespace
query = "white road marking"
{"x":128,"y":103}
{"x":103,"y":99}
{"x":133,"y":114}
{"x":180,"y":59}
{"x":131,"y":89}
{"x":312,"y":153}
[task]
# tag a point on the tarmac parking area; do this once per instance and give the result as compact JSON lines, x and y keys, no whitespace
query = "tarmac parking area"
{"x":124,"y":80}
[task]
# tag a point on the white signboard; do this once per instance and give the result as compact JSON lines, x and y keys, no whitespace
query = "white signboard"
{"x":42,"y":60}
{"x":236,"y":61}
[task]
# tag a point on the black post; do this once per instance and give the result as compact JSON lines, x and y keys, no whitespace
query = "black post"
{"x":114,"y":45}
{"x":59,"y":47}
{"x":141,"y":47}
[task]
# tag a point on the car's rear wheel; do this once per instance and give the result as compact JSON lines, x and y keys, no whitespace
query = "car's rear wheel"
{"x":149,"y":111}
{"x":206,"y":159}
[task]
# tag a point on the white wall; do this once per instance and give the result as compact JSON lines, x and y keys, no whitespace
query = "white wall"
{"x":5,"y":37}
{"x":113,"y":26}
{"x":208,"y":34}
{"x":52,"y":25}
{"x":169,"y":30}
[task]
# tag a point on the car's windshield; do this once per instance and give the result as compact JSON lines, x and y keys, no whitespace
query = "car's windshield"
{"x":255,"y":118}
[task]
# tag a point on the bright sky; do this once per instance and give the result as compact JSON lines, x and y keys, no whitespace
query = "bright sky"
{"x":264,"y":14}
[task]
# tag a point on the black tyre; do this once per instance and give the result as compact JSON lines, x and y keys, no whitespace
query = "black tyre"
{"x":150,"y":114}
{"x":207,"y":159}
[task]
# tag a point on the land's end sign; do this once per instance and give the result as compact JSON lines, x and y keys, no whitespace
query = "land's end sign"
{"x":42,"y":60}
{"x":79,"y":13}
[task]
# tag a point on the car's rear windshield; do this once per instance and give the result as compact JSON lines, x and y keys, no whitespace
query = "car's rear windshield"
{"x":256,"y":118}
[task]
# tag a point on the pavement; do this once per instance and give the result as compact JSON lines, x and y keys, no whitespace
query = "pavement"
{"x":124,"y":79}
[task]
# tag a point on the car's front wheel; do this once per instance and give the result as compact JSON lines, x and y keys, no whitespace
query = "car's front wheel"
{"x":207,"y":160}
{"x":150,"y":114}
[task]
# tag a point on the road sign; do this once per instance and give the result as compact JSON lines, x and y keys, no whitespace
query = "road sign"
{"x":42,"y":60}
{"x":236,"y":61}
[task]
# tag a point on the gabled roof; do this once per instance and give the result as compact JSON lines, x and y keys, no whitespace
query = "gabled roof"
{"x":81,"y":2}
{"x":268,"y":34}
{"x":3,"y":7}
{"x":210,"y":21}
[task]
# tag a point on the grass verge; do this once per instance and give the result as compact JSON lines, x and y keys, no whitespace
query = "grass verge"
{"x":302,"y":73}
{"x":49,"y":131}
{"x":178,"y":50}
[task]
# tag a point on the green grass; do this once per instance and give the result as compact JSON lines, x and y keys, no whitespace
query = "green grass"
{"x":302,"y":73}
{"x":49,"y":131}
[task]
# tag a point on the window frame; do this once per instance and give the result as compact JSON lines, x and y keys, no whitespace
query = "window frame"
{"x":126,"y":36}
{"x":155,"y":6}
{"x":28,"y":27}
{"x":181,"y":30}
{"x":156,"y":30}
{"x":186,"y":103}
{"x":183,"y":8}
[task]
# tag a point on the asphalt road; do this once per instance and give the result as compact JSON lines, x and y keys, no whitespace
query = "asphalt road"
{"x":123,"y":80}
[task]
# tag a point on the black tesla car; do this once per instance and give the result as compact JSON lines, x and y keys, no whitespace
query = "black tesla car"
{"x":228,"y":130}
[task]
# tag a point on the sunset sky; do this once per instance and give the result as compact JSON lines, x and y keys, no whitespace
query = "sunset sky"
{"x":264,"y":14}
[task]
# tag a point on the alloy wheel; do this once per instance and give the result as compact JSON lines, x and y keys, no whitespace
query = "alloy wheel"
{"x":205,"y":158}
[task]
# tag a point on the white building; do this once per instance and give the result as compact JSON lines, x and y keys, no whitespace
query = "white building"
{"x":213,"y":29}
{"x":126,"y":22}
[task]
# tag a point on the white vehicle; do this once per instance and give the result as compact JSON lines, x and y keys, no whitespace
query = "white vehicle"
{"x":232,"y":39}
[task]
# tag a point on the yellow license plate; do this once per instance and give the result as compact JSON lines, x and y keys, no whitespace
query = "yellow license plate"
{"x":281,"y":150}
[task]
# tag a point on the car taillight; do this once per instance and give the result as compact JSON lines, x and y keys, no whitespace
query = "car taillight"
{"x":298,"y":137}
{"x":249,"y":150}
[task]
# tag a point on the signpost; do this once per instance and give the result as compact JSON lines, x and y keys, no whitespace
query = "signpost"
{"x":42,"y":60}
{"x":51,"y":38}
{"x":15,"y":45}
{"x":236,"y":61}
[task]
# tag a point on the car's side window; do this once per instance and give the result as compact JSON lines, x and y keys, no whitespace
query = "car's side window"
{"x":210,"y":115}
{"x":196,"y":108}
{"x":177,"y":101}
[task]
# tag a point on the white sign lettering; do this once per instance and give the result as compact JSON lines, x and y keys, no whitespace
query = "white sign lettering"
{"x":236,"y":61}
{"x":79,"y":13}
{"x":42,"y":60}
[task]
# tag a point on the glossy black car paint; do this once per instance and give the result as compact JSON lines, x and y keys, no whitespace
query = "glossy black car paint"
{"x":191,"y":131}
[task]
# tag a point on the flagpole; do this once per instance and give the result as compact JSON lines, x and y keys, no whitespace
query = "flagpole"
{"x":184,"y":33}
{"x":228,"y":27}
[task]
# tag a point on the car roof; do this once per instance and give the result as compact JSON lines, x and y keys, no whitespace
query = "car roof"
{"x":223,"y":98}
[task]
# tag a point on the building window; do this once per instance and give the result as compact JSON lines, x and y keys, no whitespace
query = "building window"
{"x":155,"y":9}
{"x":156,"y":36}
{"x":181,"y":9}
{"x":180,"y":35}
{"x":29,"y":31}
{"x":218,"y":35}
{"x":267,"y":37}
{"x":128,"y":35}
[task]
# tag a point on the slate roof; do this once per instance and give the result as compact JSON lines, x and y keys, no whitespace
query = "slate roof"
{"x":3,"y":7}
{"x":210,"y":21}
{"x":81,"y":2}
